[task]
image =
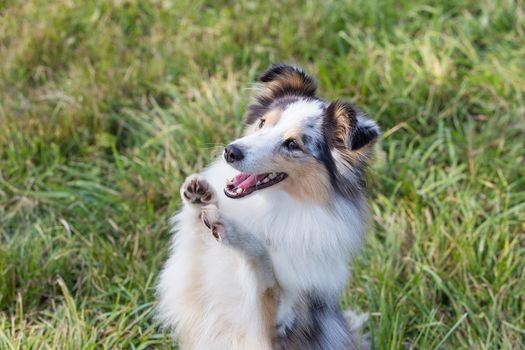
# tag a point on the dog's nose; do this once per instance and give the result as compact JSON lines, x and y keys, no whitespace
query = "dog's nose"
{"x":233,"y":153}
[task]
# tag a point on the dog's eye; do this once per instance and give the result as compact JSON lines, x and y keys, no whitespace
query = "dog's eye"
{"x":261,"y":122}
{"x":292,"y":145}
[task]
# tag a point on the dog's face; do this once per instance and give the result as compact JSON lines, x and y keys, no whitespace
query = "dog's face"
{"x":311,"y":148}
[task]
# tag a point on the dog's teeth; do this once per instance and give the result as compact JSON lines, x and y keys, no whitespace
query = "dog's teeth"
{"x":238,"y":191}
{"x":258,"y":183}
{"x":265,"y":180}
{"x":272,"y":176}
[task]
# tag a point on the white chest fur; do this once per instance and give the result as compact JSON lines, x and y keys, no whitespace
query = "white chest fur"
{"x":310,"y":244}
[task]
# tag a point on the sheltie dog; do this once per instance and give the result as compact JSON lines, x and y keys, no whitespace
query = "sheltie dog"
{"x":262,"y":246}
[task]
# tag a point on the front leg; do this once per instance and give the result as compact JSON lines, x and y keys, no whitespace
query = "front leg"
{"x":244,"y":242}
{"x":256,"y":252}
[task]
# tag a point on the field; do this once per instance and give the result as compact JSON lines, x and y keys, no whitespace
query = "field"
{"x":105,"y":107}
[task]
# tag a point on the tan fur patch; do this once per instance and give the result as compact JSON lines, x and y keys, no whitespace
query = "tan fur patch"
{"x":295,"y":134}
{"x":192,"y":300}
{"x":272,"y":117}
{"x":343,"y":126}
{"x":269,"y":312}
{"x":308,"y":181}
{"x":292,"y":82}
{"x":297,"y":81}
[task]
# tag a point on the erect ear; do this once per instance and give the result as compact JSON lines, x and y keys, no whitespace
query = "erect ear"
{"x":283,"y":79}
{"x":346,"y":128}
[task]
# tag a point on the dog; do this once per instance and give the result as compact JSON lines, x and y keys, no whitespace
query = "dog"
{"x":262,"y":245}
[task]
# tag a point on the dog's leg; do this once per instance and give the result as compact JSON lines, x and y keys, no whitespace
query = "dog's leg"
{"x":249,"y":245}
{"x":255,"y":251}
{"x":197,"y":193}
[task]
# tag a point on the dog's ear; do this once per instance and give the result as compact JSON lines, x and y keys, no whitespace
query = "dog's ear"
{"x":350,"y":137}
{"x":280,"y":81}
{"x":284,"y":79}
{"x":347,"y":129}
{"x":366,"y":133}
{"x":339,"y":125}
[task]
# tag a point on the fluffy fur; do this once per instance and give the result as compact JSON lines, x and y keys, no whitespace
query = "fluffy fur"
{"x":272,"y":276}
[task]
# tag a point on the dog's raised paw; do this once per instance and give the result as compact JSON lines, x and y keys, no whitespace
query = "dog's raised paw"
{"x":211,"y":218}
{"x":197,"y":190}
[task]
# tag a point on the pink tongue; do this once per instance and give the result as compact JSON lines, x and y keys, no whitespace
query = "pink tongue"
{"x":240,"y":178}
{"x":249,"y":182}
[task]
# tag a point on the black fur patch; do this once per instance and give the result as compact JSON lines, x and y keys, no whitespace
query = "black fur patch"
{"x":306,"y":140}
{"x":319,"y":325}
{"x":275,"y":70}
{"x":363,"y":135}
{"x":324,"y":156}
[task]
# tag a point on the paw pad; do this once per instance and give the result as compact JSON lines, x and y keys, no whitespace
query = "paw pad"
{"x":197,"y":190}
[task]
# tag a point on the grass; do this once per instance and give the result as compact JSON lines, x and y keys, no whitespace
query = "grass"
{"x":105,"y":107}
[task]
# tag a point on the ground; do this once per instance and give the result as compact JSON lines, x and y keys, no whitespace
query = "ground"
{"x":106,"y":106}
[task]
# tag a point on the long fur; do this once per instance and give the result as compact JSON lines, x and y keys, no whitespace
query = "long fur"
{"x":277,"y":284}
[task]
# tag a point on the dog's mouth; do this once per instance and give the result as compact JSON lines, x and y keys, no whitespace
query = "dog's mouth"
{"x":243,"y":184}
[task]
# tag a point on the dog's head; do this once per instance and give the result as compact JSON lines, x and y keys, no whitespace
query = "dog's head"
{"x":309,"y":147}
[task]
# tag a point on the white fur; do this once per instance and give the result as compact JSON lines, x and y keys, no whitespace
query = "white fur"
{"x":208,"y":293}
{"x":310,"y":246}
{"x":259,"y":147}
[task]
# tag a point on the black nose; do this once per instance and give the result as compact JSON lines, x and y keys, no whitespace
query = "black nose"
{"x":233,"y":153}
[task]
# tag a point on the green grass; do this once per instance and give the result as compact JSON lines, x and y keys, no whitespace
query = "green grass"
{"x":105,"y":107}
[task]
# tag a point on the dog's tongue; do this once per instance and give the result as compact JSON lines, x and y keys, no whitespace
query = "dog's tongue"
{"x":249,"y":182}
{"x":240,"y":178}
{"x":246,"y":181}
